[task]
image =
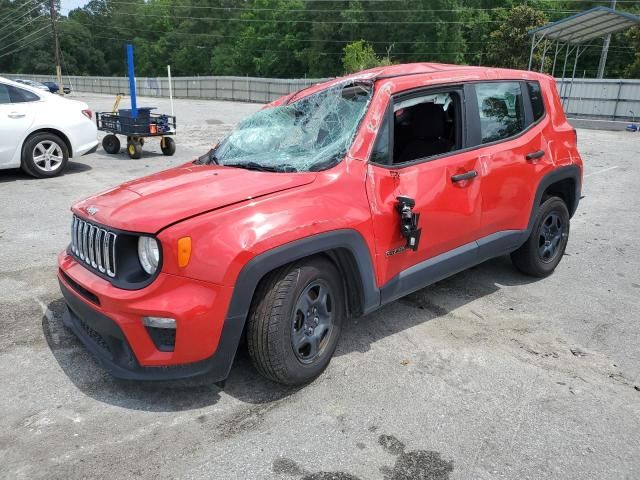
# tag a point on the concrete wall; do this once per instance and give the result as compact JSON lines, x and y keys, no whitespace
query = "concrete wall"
{"x":608,"y":99}
{"x":244,"y":89}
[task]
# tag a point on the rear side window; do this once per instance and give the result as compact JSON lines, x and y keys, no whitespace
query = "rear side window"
{"x":501,"y":112}
{"x":535,"y":95}
{"x":4,"y":94}
{"x":18,"y":95}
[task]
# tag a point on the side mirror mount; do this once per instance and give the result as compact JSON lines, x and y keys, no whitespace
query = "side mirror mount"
{"x":409,"y":222}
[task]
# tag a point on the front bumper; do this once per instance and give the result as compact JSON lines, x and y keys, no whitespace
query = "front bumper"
{"x":108,"y":321}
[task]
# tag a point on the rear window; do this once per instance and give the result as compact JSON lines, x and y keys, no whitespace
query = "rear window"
{"x":18,"y":95}
{"x":535,"y":95}
{"x":501,"y":113}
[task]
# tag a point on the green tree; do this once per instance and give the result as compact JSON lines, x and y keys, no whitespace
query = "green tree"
{"x":360,"y":56}
{"x":292,"y":38}
{"x":509,"y":45}
{"x":633,"y":39}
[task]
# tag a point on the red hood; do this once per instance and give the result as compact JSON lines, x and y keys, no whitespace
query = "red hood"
{"x":150,"y":203}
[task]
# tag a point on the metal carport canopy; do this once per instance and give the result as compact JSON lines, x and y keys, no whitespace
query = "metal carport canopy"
{"x":584,"y":26}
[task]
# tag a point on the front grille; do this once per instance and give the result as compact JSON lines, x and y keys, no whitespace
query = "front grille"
{"x":94,"y":245}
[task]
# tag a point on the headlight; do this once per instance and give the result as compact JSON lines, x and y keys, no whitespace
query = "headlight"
{"x":149,"y":254}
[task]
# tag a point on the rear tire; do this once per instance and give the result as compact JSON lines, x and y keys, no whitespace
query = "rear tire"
{"x":44,"y":155}
{"x":134,"y":150}
{"x":295,"y":321}
{"x":541,"y":253}
{"x":168,"y":146}
{"x":111,"y":144}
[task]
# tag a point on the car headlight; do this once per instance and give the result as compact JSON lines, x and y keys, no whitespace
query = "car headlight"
{"x":149,"y":254}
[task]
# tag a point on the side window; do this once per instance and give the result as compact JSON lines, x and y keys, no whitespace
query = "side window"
{"x":18,"y":95}
{"x":426,"y":126}
{"x":4,"y":94}
{"x":501,"y":112}
{"x":380,"y":152}
{"x":535,"y":95}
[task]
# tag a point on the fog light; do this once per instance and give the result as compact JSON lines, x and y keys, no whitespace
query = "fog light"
{"x":162,"y":332}
{"x":159,"y":322}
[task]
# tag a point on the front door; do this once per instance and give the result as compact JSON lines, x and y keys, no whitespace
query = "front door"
{"x":15,"y":119}
{"x":417,"y":156}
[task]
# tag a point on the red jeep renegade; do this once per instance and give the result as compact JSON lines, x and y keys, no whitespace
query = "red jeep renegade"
{"x":326,"y":204}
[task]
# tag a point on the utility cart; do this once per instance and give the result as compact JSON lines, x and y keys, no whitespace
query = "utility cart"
{"x":136,"y":129}
{"x":136,"y":123}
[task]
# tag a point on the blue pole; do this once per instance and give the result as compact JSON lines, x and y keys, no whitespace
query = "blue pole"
{"x":132,"y":81}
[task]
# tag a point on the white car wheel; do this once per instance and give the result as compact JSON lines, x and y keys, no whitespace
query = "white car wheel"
{"x":48,"y":156}
{"x":44,"y":155}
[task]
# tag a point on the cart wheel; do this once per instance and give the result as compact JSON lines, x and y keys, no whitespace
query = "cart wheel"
{"x":111,"y":144}
{"x":168,"y":146}
{"x":134,"y":150}
{"x":141,"y":141}
{"x":136,"y":139}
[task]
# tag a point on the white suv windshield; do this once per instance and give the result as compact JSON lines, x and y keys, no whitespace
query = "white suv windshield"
{"x":310,"y":134}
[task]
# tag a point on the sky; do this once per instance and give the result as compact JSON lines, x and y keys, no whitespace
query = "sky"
{"x":71,"y":4}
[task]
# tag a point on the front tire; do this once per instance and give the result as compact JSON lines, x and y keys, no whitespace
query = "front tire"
{"x":44,"y":155}
{"x":295,"y":321}
{"x":543,"y":250}
{"x":111,"y":144}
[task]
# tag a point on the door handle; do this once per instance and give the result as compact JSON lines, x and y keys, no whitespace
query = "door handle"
{"x":16,"y":115}
{"x":535,"y":155}
{"x":464,"y":176}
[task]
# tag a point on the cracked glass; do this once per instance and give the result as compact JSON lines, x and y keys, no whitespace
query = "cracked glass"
{"x":310,"y":134}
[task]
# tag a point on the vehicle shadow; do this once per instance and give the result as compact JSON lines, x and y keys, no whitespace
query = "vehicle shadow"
{"x":123,"y":155}
{"x":14,"y":174}
{"x":434,"y":301}
{"x":244,"y":383}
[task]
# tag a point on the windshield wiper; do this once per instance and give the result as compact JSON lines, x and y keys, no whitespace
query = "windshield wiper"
{"x":263,"y":168}
{"x":208,"y":158}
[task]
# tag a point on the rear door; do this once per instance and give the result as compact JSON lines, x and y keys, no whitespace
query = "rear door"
{"x":16,"y":117}
{"x":512,"y":152}
{"x":418,"y":155}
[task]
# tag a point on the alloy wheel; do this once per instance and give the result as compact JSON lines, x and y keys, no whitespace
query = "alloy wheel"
{"x":312,"y":321}
{"x":550,"y":236}
{"x":47,"y":156}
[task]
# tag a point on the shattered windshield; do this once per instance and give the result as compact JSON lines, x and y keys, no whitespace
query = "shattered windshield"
{"x":310,"y":134}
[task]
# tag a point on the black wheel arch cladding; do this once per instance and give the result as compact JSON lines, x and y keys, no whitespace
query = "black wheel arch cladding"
{"x":346,"y":248}
{"x":563,"y":182}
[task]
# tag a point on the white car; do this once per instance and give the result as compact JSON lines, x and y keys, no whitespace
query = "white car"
{"x":40,"y":131}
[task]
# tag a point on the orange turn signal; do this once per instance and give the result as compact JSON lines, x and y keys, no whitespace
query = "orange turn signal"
{"x":184,"y":251}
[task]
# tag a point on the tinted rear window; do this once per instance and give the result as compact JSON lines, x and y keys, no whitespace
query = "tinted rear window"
{"x":501,"y":114}
{"x":18,"y":95}
{"x":537,"y":105}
